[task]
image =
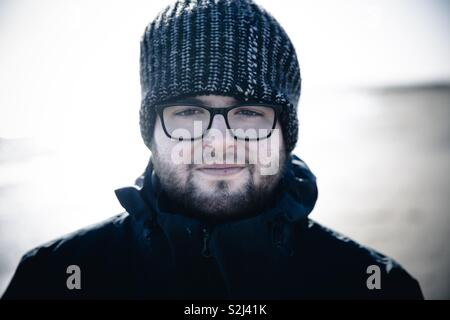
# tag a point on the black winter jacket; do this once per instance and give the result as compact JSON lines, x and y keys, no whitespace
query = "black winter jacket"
{"x":147,"y":252}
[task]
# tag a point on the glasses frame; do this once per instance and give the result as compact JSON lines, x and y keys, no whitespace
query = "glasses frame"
{"x":215,"y":111}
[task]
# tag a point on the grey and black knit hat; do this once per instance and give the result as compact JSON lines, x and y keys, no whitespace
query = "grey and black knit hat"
{"x":224,"y":47}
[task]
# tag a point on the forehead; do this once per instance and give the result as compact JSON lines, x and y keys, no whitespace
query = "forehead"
{"x":209,"y":100}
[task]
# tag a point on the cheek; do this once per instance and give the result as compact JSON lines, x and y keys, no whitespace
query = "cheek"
{"x":162,"y":143}
{"x":268,"y":153}
{"x":173,"y":150}
{"x":278,"y":138}
{"x":164,"y":147}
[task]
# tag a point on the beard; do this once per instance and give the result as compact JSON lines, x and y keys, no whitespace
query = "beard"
{"x":223,"y":199}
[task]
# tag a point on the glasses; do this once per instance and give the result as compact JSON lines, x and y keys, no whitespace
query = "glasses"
{"x":190,"y":121}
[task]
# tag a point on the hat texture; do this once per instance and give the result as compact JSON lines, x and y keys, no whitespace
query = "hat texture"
{"x":223,"y":47}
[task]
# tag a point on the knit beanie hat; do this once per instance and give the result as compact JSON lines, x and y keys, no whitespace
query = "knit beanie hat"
{"x":223,"y":47}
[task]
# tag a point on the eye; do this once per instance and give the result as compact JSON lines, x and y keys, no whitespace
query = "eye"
{"x":188,"y":112}
{"x":248,"y":113}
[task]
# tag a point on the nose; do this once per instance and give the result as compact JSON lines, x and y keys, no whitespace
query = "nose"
{"x":219,"y":123}
{"x":216,"y":136}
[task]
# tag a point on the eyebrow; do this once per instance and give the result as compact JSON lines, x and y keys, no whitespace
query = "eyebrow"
{"x":189,"y":100}
{"x":195,"y":100}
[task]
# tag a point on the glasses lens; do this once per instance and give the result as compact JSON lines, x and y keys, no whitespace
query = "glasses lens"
{"x":251,"y":122}
{"x":186,"y":122}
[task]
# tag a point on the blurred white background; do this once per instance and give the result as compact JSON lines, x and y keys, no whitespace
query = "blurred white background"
{"x":373,"y":115}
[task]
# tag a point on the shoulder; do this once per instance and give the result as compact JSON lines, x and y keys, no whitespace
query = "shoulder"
{"x":42,"y":271}
{"x":82,"y":241}
{"x":360,"y":270}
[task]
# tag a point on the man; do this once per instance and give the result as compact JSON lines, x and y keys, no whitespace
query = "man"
{"x":213,"y":215}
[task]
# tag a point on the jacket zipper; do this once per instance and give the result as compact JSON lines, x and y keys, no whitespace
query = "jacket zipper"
{"x":206,"y":238}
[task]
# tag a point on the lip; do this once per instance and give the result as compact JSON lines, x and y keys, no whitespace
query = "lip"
{"x":221,"y":169}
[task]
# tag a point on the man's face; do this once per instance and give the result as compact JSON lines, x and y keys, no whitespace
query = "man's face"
{"x":233,"y":177}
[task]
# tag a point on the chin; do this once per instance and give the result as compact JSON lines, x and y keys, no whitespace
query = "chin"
{"x":217,"y":186}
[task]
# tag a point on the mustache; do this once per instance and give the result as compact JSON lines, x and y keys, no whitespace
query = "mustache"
{"x":224,"y":157}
